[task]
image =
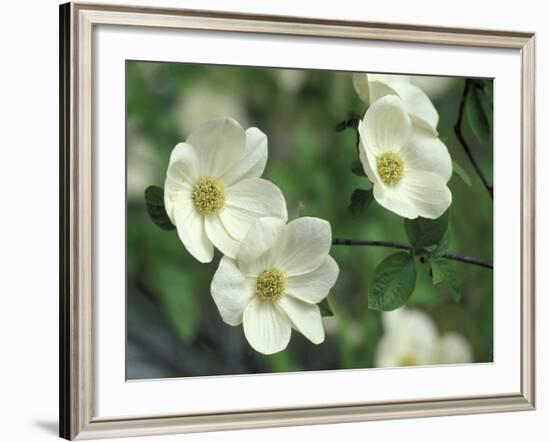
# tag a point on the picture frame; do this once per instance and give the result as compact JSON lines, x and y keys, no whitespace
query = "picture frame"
{"x":79,"y":202}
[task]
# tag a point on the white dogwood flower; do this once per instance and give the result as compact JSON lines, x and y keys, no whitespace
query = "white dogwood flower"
{"x":411,"y":338}
{"x":372,"y":87}
{"x":408,"y":166}
{"x":280,"y":274}
{"x":213,"y":192}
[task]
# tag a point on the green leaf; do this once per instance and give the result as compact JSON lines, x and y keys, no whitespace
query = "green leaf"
{"x":461,"y":173}
{"x":444,"y":244}
{"x":444,"y":270}
{"x":357,"y":168}
{"x":437,"y":273}
{"x":360,"y":201}
{"x":325,"y":308}
{"x":479,"y":112}
{"x":392,"y":282}
{"x":423,"y":232}
{"x":154,"y":201}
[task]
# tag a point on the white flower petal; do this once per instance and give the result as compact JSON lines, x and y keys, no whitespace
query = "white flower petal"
{"x":378,"y":89}
{"x":190,"y":227}
{"x":219,"y":144}
{"x":184,"y":164}
{"x":361,"y":85}
{"x":420,"y":333}
{"x":313,"y":287}
{"x":418,"y":105}
{"x":389,"y":352}
{"x":400,"y":350}
{"x":392,"y":320}
{"x":368,"y":160}
{"x":249,"y":200}
{"x":254,"y":252}
{"x":183,"y":170}
{"x":386,"y":126}
{"x":426,"y":191}
{"x":303,"y":246}
{"x":306,"y":318}
{"x":405,"y":320}
{"x":219,"y":236}
{"x":393,"y":200}
{"x":426,"y":152}
{"x":419,"y":193}
{"x":252,"y":163}
{"x":231,"y":291}
{"x":390,"y":79}
{"x":174,"y":194}
{"x":371,"y":87}
{"x":266,"y":329}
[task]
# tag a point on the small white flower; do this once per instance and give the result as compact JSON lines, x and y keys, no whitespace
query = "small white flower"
{"x":372,"y":87}
{"x":280,"y":274}
{"x":408,"y":166}
{"x":411,"y":338}
{"x":213,"y":192}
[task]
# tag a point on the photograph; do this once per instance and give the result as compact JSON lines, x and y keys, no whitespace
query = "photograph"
{"x":278,"y":220}
{"x":290,"y":220}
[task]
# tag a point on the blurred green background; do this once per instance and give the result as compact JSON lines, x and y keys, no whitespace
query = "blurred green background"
{"x":173,"y":326}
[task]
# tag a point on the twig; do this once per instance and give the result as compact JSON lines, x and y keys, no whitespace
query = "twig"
{"x":460,"y":136}
{"x":396,"y":245}
{"x":468,"y":260}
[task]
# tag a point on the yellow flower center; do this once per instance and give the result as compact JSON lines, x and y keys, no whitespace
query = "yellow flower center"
{"x":270,"y":285}
{"x":390,"y":167}
{"x":209,"y":195}
{"x":407,"y":361}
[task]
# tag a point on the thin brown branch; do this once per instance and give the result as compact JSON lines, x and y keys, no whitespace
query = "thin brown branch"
{"x":395,"y":245}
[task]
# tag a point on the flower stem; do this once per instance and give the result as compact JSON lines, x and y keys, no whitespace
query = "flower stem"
{"x":396,"y":245}
{"x":460,"y":136}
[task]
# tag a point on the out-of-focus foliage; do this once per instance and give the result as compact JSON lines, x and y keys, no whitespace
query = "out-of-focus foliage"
{"x":174,"y":328}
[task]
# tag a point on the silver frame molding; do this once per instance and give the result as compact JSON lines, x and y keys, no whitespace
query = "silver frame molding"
{"x":77,"y":21}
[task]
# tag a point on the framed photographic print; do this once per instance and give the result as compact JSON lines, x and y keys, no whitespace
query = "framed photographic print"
{"x":272,"y":221}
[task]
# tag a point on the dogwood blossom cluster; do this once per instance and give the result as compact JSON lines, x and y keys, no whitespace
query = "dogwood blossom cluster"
{"x":272,"y":274}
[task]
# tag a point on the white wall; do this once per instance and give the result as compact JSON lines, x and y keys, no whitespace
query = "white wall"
{"x":29,"y":211}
